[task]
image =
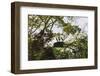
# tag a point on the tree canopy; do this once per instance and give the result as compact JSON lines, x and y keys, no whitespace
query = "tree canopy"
{"x":45,"y":41}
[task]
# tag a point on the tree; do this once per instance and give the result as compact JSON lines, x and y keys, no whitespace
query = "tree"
{"x":40,"y":34}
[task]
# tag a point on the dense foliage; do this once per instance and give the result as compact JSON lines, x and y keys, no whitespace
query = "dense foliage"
{"x":44,"y":43}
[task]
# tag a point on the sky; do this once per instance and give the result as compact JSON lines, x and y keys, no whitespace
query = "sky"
{"x":80,"y":21}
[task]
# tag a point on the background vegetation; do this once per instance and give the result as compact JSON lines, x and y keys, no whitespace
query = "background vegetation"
{"x":56,"y":37}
